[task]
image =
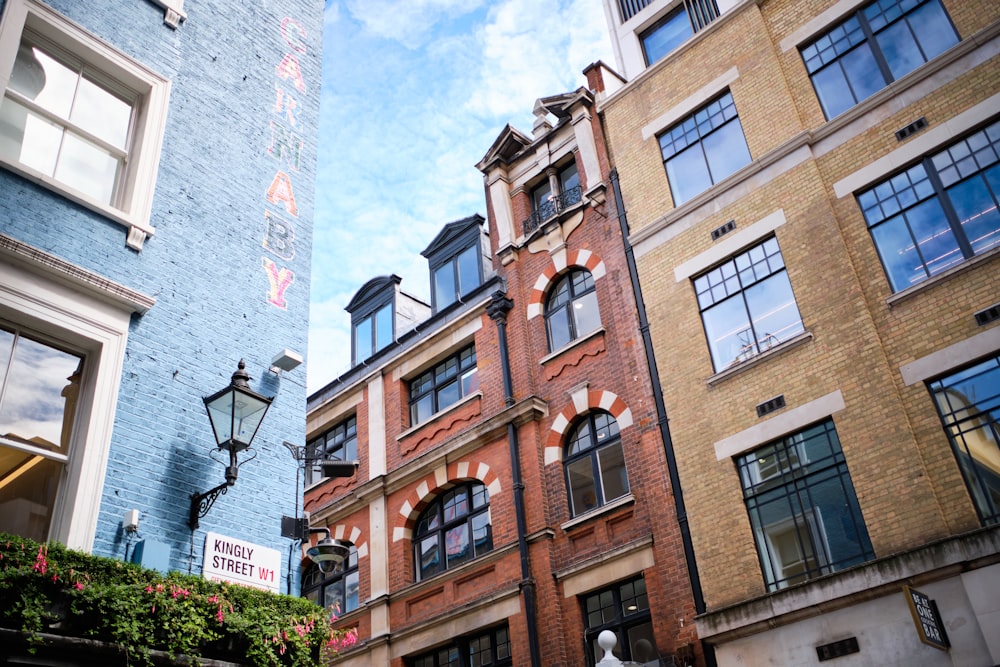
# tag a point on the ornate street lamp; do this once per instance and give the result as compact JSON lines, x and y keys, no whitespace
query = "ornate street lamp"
{"x":235,"y":413}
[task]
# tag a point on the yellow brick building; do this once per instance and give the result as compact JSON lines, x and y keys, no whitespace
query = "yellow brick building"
{"x":811,"y":189}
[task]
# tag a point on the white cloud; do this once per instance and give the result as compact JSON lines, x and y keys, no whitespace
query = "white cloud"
{"x":414,"y":93}
{"x":409,"y":22}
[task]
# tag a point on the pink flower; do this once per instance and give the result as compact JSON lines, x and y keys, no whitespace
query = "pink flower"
{"x":78,"y":585}
{"x":149,"y":589}
{"x":41,"y":562}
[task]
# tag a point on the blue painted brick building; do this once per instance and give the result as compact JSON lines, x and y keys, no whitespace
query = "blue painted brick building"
{"x":157,"y":165}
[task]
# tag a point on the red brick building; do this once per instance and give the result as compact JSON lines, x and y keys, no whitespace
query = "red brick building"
{"x":515,"y":492}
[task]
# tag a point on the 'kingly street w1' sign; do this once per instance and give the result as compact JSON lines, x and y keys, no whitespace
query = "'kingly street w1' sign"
{"x":239,"y":562}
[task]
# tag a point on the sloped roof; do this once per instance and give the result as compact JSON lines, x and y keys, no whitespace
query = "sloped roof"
{"x":451,"y":231}
{"x":371,"y":289}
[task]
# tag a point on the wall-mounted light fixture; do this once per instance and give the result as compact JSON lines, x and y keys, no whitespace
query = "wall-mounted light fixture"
{"x":235,"y":413}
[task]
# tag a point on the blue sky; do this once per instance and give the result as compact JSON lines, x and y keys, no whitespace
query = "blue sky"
{"x":414,"y":93}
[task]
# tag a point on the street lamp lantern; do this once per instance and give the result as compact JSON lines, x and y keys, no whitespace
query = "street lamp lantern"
{"x":236,"y":413}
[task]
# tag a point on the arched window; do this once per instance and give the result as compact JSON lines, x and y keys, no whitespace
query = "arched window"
{"x":454,"y":529}
{"x":595,"y":464}
{"x":571,"y":308}
{"x":337,"y":591}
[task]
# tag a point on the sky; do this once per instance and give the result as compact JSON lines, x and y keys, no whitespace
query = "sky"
{"x":414,"y":93}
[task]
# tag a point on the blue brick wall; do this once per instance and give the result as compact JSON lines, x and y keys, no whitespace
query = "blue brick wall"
{"x":205,"y":265}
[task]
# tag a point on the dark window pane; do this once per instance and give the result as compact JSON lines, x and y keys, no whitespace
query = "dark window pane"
{"x":614,"y":481}
{"x":808,"y":524}
{"x":583,"y":492}
{"x":446,"y":521}
{"x":968,"y":402}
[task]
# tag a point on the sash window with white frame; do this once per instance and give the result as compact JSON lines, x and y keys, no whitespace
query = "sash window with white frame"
{"x":80,"y":117}
{"x":40,"y":384}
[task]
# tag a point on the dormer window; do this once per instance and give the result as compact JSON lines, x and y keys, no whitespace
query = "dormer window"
{"x":546,"y":204}
{"x":380,"y":313}
{"x":455,"y":258}
{"x":372,"y":333}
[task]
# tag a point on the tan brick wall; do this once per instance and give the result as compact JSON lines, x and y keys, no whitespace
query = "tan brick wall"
{"x":906,"y":478}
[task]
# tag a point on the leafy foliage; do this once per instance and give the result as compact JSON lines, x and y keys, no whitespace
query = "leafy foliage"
{"x":47,"y":588}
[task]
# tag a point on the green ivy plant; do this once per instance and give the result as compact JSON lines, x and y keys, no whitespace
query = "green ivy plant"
{"x":49,"y":589}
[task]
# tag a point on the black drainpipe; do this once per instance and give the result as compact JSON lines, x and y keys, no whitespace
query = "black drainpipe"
{"x":497,"y":310}
{"x":661,"y":414}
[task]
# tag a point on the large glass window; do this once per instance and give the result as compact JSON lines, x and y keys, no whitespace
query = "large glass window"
{"x":623,"y":609}
{"x":939,"y":212}
{"x":703,"y":149}
{"x":78,"y":116}
{"x":747,"y":305}
{"x":456,"y":277}
{"x":483,"y":649}
{"x":447,"y":383}
{"x":571,"y":308}
{"x":873,"y":47}
{"x":39,"y":387}
{"x":803,"y":509}
{"x":969,"y":404}
{"x":595,"y":463}
{"x":676,"y":27}
{"x":454,"y":529}
{"x":337,"y":591}
{"x":338,"y":444}
{"x":373,"y":333}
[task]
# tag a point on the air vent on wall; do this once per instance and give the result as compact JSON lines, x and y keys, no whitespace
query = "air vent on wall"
{"x":724,"y":229}
{"x":911,"y":129}
{"x":987,"y":315}
{"x":771,"y":405}
{"x":837,"y":649}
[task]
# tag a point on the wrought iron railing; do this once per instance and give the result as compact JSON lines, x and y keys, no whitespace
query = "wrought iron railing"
{"x":630,"y":8}
{"x":551,"y":208}
{"x":701,"y":12}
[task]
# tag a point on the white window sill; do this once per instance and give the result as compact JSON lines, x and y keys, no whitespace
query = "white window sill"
{"x":570,"y":345}
{"x":606,"y":508}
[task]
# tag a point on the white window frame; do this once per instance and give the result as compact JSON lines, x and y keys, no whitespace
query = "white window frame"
{"x":133,"y":207}
{"x":90,"y":315}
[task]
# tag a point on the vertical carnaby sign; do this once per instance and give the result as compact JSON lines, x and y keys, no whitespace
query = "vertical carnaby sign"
{"x":240,"y":562}
{"x":927,"y":619}
{"x":281,"y":212}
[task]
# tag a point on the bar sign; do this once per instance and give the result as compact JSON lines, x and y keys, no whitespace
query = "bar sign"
{"x":927,"y":619}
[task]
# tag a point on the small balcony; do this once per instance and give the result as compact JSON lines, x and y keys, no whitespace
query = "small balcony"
{"x":551,"y":208}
